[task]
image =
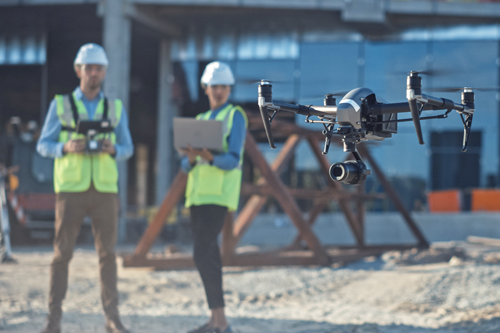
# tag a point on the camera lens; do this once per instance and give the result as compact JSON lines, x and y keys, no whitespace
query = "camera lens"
{"x":337,"y":171}
{"x":349,"y":172}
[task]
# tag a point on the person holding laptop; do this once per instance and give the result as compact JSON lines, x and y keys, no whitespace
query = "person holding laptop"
{"x":213,"y":188}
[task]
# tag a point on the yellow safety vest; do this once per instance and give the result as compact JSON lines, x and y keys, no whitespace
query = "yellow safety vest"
{"x":209,"y":185}
{"x":75,"y":172}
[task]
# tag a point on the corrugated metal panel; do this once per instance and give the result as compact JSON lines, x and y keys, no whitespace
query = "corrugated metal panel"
{"x":247,"y":46}
{"x":22,"y":50}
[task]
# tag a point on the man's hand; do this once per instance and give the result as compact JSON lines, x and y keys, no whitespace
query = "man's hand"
{"x":74,"y":146}
{"x":108,"y":147}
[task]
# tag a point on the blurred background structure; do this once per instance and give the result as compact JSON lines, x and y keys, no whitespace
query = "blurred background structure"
{"x":158,"y":49}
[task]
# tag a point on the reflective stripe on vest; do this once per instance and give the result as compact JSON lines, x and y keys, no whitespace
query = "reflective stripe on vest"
{"x":75,"y":172}
{"x":209,"y":185}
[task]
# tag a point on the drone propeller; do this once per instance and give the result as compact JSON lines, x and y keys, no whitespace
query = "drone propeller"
{"x":258,"y":81}
{"x":427,"y":72}
{"x":432,"y":72}
{"x":339,"y":93}
{"x":455,"y":89}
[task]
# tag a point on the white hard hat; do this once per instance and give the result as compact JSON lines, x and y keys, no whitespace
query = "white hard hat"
{"x":217,"y":73}
{"x":91,"y":54}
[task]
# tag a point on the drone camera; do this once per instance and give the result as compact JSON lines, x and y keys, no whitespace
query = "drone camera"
{"x":349,"y":172}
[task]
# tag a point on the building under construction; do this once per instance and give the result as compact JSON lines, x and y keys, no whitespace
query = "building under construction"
{"x":158,"y":49}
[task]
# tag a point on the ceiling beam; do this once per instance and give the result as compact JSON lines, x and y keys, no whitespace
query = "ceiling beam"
{"x":148,"y":19}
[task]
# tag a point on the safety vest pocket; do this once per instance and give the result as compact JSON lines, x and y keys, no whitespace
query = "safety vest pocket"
{"x":108,"y":171}
{"x":211,"y":180}
{"x":69,"y":168}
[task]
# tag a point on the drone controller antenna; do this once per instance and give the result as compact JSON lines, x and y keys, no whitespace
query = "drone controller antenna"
{"x":467,"y":100}
{"x":413,"y":90}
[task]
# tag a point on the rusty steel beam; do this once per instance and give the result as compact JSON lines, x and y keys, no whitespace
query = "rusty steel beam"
{"x":256,"y":202}
{"x":361,"y":209}
{"x":344,"y":205}
{"x":323,"y":194}
{"x":286,"y":201}
{"x":170,"y":201}
{"x":265,"y":258}
{"x":391,"y":192}
{"x":313,"y":215}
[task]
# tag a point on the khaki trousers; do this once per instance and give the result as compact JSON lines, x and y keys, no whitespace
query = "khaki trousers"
{"x":71,"y":209}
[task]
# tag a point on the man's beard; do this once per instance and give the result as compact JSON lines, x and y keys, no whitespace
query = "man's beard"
{"x":93,"y":86}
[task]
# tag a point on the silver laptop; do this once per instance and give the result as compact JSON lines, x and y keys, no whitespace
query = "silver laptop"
{"x":198,"y":134}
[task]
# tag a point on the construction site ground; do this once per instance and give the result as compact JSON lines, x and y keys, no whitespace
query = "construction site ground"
{"x":453,"y":287}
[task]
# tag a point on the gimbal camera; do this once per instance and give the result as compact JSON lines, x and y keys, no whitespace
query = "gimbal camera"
{"x":360,"y":116}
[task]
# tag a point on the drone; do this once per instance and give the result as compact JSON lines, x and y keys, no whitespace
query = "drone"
{"x":361,"y":116}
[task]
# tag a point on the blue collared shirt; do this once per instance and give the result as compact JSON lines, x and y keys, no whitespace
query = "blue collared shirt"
{"x":49,"y":146}
{"x":236,"y":138}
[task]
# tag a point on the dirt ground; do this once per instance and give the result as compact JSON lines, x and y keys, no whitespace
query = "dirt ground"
{"x":364,"y":297}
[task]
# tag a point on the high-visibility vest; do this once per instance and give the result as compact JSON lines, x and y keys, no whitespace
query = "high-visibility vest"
{"x":209,"y":185}
{"x":76,"y":172}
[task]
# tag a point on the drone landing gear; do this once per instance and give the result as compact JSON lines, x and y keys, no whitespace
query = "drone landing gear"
{"x":350,"y":172}
{"x":467,"y":124}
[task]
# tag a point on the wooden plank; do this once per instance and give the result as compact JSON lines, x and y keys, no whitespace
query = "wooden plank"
{"x":344,"y":205}
{"x":391,"y":192}
{"x":170,"y":201}
{"x":256,"y":202}
{"x":286,"y":201}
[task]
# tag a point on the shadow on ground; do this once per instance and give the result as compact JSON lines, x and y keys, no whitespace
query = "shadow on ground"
{"x":91,"y":323}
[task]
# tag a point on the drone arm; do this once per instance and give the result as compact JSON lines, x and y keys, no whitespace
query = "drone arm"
{"x":432,"y":103}
{"x":308,"y":110}
{"x":443,"y":103}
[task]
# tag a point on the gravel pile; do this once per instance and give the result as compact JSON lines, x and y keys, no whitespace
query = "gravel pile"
{"x":363,"y":297}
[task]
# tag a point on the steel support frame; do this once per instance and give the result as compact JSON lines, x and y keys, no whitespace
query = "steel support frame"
{"x":306,"y":248}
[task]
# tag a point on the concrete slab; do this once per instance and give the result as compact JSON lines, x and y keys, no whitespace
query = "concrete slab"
{"x":381,"y":228}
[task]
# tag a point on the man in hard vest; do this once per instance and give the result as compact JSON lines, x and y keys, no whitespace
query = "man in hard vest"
{"x":85,"y":180}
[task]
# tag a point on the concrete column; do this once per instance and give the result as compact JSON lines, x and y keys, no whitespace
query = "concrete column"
{"x":166,"y":112}
{"x":116,"y":42}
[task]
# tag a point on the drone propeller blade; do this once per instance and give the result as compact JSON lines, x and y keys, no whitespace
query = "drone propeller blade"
{"x":339,"y":93}
{"x":257,"y":81}
{"x":427,"y":72}
{"x":416,"y":120}
{"x":455,"y":89}
{"x":445,"y":89}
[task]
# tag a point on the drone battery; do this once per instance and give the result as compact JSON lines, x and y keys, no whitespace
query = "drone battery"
{"x":387,"y":128}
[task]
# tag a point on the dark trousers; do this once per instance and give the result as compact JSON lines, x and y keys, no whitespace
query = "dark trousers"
{"x":71,"y":209}
{"x":206,"y":223}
